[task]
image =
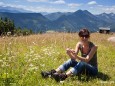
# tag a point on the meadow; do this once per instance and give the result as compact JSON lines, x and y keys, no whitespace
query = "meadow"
{"x":23,"y":58}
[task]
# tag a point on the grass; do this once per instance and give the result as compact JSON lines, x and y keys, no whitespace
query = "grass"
{"x":23,"y":58}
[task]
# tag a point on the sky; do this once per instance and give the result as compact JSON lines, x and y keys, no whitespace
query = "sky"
{"x":50,"y":6}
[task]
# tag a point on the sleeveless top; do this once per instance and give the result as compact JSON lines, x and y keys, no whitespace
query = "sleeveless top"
{"x":93,"y":60}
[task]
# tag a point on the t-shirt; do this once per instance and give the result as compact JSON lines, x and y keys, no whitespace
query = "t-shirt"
{"x":93,"y":60}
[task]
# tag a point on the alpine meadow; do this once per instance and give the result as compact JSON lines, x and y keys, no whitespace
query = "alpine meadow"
{"x":41,"y":39}
{"x":23,"y":58}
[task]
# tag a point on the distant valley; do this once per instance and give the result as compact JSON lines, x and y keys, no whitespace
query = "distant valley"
{"x":58,"y":21}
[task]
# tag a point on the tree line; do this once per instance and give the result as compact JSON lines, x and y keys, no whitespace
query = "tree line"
{"x":8,"y":26}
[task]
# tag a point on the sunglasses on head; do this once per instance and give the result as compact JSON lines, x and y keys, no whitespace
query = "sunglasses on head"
{"x":86,"y":36}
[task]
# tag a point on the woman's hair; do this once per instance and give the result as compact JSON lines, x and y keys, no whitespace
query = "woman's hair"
{"x":84,"y":33}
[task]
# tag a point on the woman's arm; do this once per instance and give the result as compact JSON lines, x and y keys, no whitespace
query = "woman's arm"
{"x":89,"y":56}
{"x":77,"y":48}
{"x":72,"y":53}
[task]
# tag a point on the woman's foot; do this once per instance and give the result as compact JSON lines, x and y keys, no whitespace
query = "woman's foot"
{"x":46,"y":74}
{"x":59,"y":77}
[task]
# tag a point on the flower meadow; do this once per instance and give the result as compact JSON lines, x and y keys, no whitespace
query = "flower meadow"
{"x":23,"y":58}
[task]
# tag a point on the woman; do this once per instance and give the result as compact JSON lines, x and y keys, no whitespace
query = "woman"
{"x":87,"y":63}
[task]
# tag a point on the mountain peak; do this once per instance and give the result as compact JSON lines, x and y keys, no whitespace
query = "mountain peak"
{"x":82,"y":11}
{"x":86,"y":11}
{"x":78,"y":11}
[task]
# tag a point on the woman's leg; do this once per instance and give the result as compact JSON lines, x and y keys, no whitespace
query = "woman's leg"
{"x":62,"y":76}
{"x":75,"y":70}
{"x":91,"y":70}
{"x":78,"y":68}
{"x":66,"y":65}
{"x":61,"y":68}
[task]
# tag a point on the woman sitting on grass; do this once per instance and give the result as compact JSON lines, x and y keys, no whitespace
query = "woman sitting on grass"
{"x":87,"y":63}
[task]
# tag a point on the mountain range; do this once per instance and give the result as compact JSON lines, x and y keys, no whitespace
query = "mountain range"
{"x":58,"y":21}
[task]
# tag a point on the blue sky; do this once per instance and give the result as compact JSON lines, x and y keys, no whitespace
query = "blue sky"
{"x":93,"y":6}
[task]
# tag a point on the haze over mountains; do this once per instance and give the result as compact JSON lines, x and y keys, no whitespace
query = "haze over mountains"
{"x":58,"y":21}
{"x":13,"y":10}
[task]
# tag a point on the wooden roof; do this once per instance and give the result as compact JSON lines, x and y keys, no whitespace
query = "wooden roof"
{"x":104,"y":28}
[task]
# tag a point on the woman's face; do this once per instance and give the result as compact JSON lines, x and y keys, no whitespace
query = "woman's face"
{"x":84,"y":38}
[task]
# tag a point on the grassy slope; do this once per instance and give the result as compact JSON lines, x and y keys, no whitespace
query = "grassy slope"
{"x":23,"y":58}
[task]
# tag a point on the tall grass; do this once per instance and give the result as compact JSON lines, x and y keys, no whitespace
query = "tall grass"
{"x":23,"y":58}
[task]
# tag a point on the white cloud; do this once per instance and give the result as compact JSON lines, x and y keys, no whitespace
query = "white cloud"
{"x":1,"y":4}
{"x":102,"y":9}
{"x":42,"y":8}
{"x":108,"y":9}
{"x":49,"y":1}
{"x":35,"y":9}
{"x":49,"y":9}
{"x":37,"y":0}
{"x":12,"y":5}
{"x":58,"y":2}
{"x":16,"y":1}
{"x":92,"y":3}
{"x":73,"y":5}
{"x":96,"y":9}
{"x":100,"y":5}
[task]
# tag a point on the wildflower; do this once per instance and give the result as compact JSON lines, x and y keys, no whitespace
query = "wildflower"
{"x":43,"y":65}
{"x":1,"y":61}
{"x":31,"y":65}
{"x":33,"y":68}
{"x":35,"y":59}
{"x":34,"y":43}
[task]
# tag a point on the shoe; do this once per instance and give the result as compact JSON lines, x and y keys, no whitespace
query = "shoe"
{"x":46,"y":74}
{"x":59,"y":77}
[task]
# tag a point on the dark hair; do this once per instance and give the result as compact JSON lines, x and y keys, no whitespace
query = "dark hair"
{"x":84,"y":33}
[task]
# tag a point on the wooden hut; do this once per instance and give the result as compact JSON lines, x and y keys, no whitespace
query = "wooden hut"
{"x":105,"y":30}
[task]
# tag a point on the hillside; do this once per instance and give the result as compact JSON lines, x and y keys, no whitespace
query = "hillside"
{"x":34,"y":21}
{"x":80,"y":19}
{"x":62,"y":21}
{"x":56,"y":15}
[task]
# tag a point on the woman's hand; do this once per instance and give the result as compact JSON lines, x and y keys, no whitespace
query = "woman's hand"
{"x":68,"y":50}
{"x":71,"y":53}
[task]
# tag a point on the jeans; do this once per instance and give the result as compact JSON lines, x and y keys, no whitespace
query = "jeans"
{"x":78,"y":67}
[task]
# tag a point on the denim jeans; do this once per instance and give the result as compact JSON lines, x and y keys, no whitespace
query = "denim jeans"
{"x":78,"y":67}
